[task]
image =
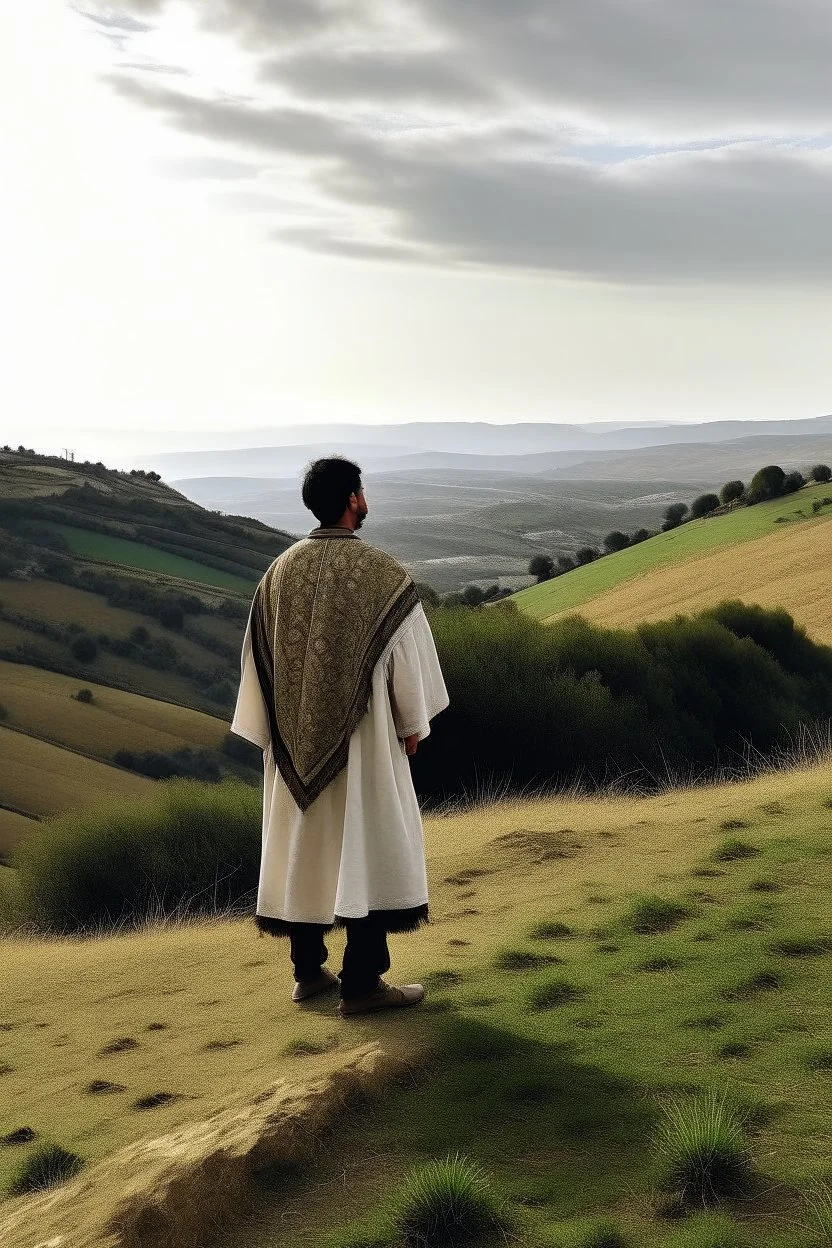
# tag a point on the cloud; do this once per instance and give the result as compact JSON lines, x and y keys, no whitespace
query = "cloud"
{"x":649,"y":141}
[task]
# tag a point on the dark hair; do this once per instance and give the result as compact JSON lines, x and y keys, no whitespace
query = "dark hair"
{"x":327,"y":485}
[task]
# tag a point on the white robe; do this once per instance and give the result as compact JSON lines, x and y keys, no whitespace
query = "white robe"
{"x":360,"y":845}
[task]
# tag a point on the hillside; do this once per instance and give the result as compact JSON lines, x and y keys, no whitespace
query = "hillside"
{"x":113,"y":583}
{"x":554,"y":1033}
{"x":768,"y":554}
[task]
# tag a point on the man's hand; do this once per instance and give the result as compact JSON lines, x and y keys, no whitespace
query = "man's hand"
{"x":411,"y":742}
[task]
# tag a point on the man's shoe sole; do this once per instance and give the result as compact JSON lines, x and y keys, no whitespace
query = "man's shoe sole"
{"x":347,"y":1010}
{"x":326,"y":986}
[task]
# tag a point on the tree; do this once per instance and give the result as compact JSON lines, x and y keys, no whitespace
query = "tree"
{"x":615,"y":541}
{"x":428,"y":594}
{"x":821,"y":473}
{"x":673,"y":516}
{"x":703,"y":506}
{"x":564,"y":564}
{"x":587,"y":554}
{"x":765,"y":484}
{"x":640,"y":535}
{"x":793,"y":481}
{"x":85,"y":648}
{"x":472,"y":595}
{"x":731,"y":491}
{"x":171,"y":615}
{"x":542,"y":566}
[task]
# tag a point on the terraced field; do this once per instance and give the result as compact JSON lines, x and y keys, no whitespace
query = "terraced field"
{"x":102,"y":548}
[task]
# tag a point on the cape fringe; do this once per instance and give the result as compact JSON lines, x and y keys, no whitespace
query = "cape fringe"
{"x":392,"y":920}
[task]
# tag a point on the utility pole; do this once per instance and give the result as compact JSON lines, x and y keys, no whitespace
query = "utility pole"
{"x":69,"y":454}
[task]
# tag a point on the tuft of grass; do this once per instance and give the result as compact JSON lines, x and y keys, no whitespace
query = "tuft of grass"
{"x":523,"y":960}
{"x":733,"y":825}
{"x":301,"y":1047}
{"x":764,"y":885}
{"x":602,"y":1235}
{"x":549,"y":930}
{"x":732,"y":849}
{"x":448,"y":1202}
{"x":819,"y":1207}
{"x":551,"y":992}
{"x":734,"y":1048}
{"x":818,"y":1058}
{"x":46,"y":1166}
{"x":658,"y":963}
{"x":649,"y":915}
{"x":801,"y":946}
{"x":702,"y":1149}
{"x":765,"y":980}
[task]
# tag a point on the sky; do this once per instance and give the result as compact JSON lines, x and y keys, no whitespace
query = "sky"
{"x":235,"y":214}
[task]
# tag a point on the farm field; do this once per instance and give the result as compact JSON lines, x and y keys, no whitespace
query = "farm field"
{"x":103,"y":548}
{"x":39,"y":778}
{"x":43,"y":704}
{"x":554,"y":1032}
{"x":699,"y":537}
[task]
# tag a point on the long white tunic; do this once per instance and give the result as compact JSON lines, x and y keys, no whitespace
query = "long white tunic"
{"x":359,"y":846}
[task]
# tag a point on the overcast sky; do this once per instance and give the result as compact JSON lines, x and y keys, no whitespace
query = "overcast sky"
{"x":236,"y":213}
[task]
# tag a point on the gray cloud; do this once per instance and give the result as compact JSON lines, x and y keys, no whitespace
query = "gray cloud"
{"x":461,"y":144}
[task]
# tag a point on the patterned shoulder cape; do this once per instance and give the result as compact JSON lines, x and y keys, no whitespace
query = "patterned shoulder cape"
{"x":321,"y":618}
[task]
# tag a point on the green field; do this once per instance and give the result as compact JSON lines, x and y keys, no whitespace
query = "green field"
{"x":544,"y":1052}
{"x":103,"y":548}
{"x":689,"y":541}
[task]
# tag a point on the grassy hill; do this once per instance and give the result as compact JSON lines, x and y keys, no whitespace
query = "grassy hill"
{"x":768,"y":554}
{"x":556,"y":1029}
{"x":114,"y":583}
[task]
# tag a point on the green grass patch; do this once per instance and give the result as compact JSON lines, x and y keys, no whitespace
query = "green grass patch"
{"x":549,"y":929}
{"x":523,"y":960}
{"x":103,"y":548}
{"x":649,"y":915}
{"x":732,"y":849}
{"x":702,"y":1149}
{"x":448,"y":1202}
{"x":46,"y":1166}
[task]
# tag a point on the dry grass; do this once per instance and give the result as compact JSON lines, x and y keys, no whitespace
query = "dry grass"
{"x":42,"y":704}
{"x":45,"y":779}
{"x":782,"y":569}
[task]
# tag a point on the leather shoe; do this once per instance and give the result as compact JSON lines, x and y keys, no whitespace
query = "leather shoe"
{"x":307,"y":988}
{"x":384,"y":997}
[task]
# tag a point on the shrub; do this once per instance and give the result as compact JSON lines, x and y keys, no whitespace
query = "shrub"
{"x":731,"y":491}
{"x":85,"y":648}
{"x":821,"y":473}
{"x":242,"y":751}
{"x":542,"y":566}
{"x":616,"y":541}
{"x":171,"y":615}
{"x":587,"y":554}
{"x":448,"y":1202}
{"x":649,"y":915}
{"x":703,"y":506}
{"x":198,"y":764}
{"x":83,"y":695}
{"x":189,"y":848}
{"x":701,"y":1145}
{"x":46,"y":1166}
{"x":793,"y":481}
{"x":564,"y":564}
{"x":766,"y":484}
{"x":640,"y":535}
{"x":673,"y":516}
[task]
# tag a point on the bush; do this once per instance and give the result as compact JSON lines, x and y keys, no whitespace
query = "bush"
{"x":702,"y":1148}
{"x":542,"y":566}
{"x":242,"y":751}
{"x":85,"y":648}
{"x":587,"y":554}
{"x":673,"y":516}
{"x":83,"y":695}
{"x":198,"y":764}
{"x":46,"y":1166}
{"x":188,"y":849}
{"x":766,"y":484}
{"x":446,"y":1203}
{"x":640,"y":535}
{"x":616,"y":541}
{"x":564,"y":564}
{"x":821,"y":473}
{"x":703,"y":506}
{"x":731,"y":492}
{"x":171,"y":615}
{"x":793,"y":481}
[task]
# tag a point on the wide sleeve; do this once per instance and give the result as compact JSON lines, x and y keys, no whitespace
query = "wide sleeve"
{"x":251,"y":719}
{"x":415,"y":684}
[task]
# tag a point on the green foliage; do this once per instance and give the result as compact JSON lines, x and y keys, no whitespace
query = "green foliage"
{"x":84,"y":695}
{"x":45,"y":1166}
{"x":242,"y":751}
{"x":586,"y":554}
{"x":535,"y":705}
{"x":674,"y":515}
{"x":702,"y":1149}
{"x":448,"y":1202}
{"x":765,"y":484}
{"x":648,"y":915}
{"x":821,"y":473}
{"x":85,"y":648}
{"x":793,"y":481}
{"x":189,"y":848}
{"x":703,"y":506}
{"x":731,"y":491}
{"x":198,"y":764}
{"x":640,"y":535}
{"x":542,"y":566}
{"x":616,"y":541}
{"x":171,"y":616}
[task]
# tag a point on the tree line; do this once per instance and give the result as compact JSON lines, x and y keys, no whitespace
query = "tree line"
{"x":768,"y":483}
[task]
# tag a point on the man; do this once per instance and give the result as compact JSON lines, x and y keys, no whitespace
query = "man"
{"x":340,"y":679}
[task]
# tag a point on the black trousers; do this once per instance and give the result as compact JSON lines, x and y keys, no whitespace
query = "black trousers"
{"x":366,"y":955}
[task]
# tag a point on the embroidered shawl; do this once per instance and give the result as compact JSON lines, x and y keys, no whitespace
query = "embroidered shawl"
{"x":321,"y":618}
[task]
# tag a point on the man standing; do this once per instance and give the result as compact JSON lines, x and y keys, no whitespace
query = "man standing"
{"x":340,"y":679}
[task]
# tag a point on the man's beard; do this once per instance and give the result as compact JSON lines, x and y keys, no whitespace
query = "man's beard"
{"x":362,"y":516}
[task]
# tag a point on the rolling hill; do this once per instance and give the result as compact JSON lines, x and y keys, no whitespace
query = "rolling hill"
{"x":557,"y":1028}
{"x":769,"y":554}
